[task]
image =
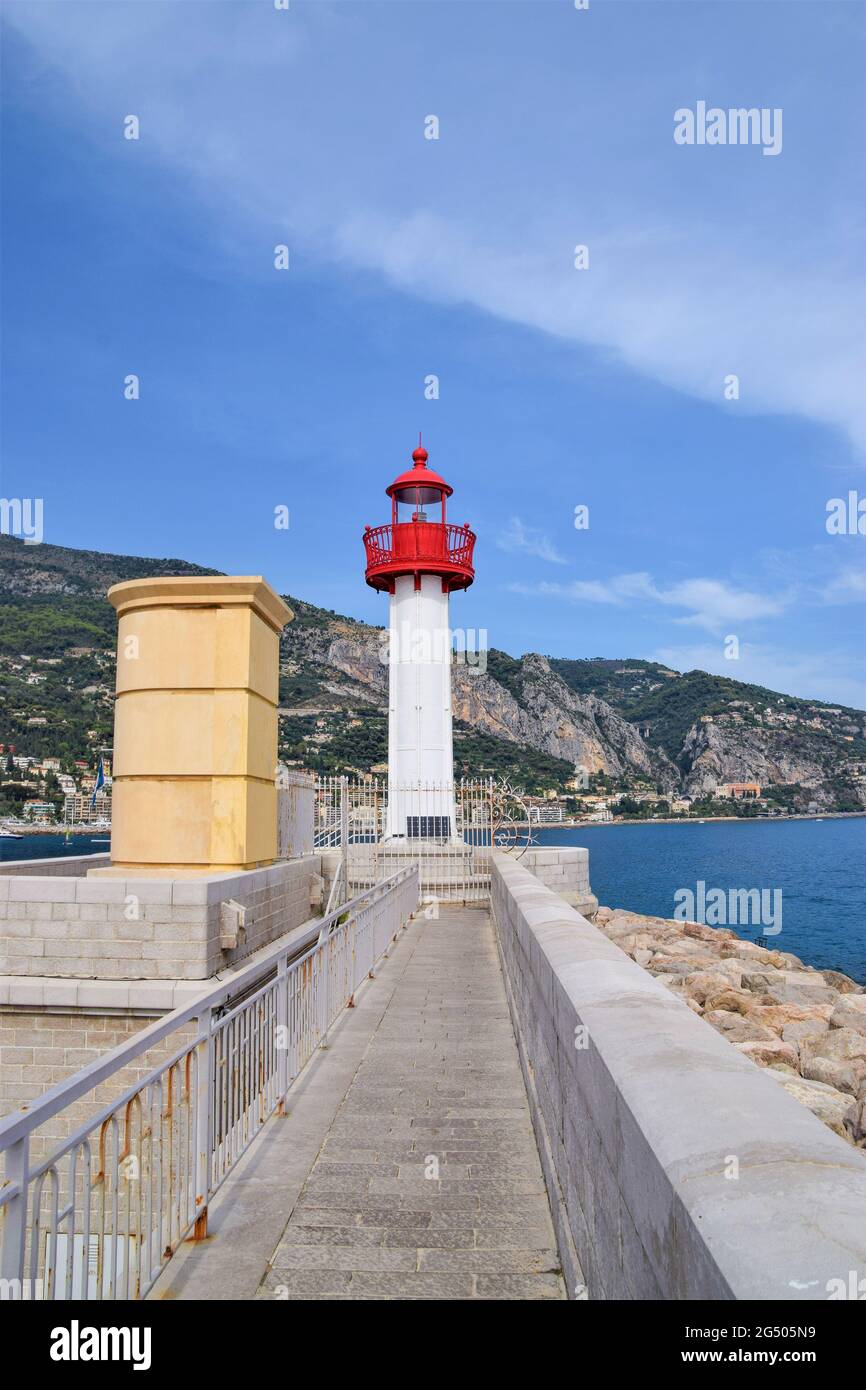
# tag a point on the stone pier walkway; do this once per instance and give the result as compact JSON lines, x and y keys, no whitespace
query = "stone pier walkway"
{"x":413,"y":1170}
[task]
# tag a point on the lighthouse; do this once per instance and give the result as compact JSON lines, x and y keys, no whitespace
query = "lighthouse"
{"x":419,"y":560}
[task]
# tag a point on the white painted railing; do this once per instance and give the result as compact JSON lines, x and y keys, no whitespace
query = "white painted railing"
{"x":102,"y":1215}
{"x":453,"y":859}
{"x":354,"y":815}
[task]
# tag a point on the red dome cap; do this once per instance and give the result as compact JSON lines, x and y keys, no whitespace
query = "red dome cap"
{"x":420,"y":476}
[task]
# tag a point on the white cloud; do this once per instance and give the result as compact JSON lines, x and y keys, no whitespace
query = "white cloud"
{"x":530,"y":541}
{"x":708,"y":603}
{"x":834,"y":676}
{"x":848,"y":586}
{"x":307,"y":122}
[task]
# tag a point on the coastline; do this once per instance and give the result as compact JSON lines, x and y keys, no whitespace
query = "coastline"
{"x":570,"y":824}
{"x":686,"y":820}
{"x":94,"y":830}
{"x":805,"y":1026}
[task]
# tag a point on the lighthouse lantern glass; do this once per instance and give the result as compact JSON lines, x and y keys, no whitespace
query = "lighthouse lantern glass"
{"x":412,"y":503}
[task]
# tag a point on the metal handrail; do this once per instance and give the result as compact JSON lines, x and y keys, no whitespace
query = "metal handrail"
{"x":430,"y":540}
{"x":137,"y":1176}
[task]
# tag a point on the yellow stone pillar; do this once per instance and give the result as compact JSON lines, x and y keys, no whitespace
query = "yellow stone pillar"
{"x":195,"y":724}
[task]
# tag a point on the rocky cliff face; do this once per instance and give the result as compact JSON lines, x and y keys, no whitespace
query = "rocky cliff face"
{"x":537,"y":710}
{"x":633,"y":720}
{"x":544,"y":713}
{"x":715,"y":752}
{"x":529,"y":703}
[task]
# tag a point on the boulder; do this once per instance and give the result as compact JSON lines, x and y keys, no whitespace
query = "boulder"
{"x":850,"y":1012}
{"x":636,"y":941}
{"x":806,"y":1027}
{"x":737,"y":1028}
{"x":757,"y":982}
{"x":802,"y":987}
{"x":778,"y":1016}
{"x":735,"y":1000}
{"x":798,"y":1032}
{"x":669,"y":965}
{"x":705,"y":982}
{"x":715,"y":935}
{"x":620,"y":918}
{"x":824,"y":1101}
{"x":843,"y":983}
{"x":730,"y":970}
{"x":769,"y":1053}
{"x":855,"y":1121}
{"x":842,"y":1076}
{"x":842,"y":1044}
{"x":675,"y":984}
{"x":758,"y":955}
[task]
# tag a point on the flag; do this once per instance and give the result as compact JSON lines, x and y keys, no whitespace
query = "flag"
{"x":99,"y":784}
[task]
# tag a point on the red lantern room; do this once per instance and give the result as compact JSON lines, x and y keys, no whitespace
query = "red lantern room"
{"x":419,"y":540}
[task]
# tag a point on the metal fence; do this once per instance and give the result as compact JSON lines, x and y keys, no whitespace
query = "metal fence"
{"x":296,"y":793}
{"x":449,"y":831}
{"x":101,"y":1217}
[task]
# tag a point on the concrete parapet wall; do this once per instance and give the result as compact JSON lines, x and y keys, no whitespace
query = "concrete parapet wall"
{"x":676,"y":1168}
{"x":144,"y":928}
{"x":565,"y":870}
{"x":65,"y":866}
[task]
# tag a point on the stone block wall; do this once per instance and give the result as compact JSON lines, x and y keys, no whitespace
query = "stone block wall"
{"x":676,"y":1168}
{"x":64,"y":866}
{"x":40,"y":1048}
{"x":565,"y":870}
{"x":144,"y":928}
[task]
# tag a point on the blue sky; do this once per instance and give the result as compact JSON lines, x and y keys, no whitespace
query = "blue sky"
{"x":454,"y":257}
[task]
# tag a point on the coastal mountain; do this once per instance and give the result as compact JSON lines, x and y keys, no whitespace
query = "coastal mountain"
{"x":631,"y":723}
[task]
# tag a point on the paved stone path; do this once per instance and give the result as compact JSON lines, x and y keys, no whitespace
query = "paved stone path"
{"x":428,"y":1183}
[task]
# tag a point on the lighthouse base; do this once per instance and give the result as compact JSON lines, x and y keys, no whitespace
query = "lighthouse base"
{"x":450,"y":870}
{"x":436,"y":827}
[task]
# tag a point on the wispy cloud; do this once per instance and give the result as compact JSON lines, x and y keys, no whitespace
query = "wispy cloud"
{"x":708,"y":603}
{"x":848,"y":586}
{"x":530,"y":541}
{"x":308,"y":123}
{"x":834,"y":676}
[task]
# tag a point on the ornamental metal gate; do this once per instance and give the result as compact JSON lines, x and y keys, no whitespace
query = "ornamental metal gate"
{"x":452,"y":851}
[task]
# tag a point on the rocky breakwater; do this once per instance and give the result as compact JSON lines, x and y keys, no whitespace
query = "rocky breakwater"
{"x":807,"y":1027}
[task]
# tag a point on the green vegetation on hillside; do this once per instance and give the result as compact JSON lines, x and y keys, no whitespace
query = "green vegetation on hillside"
{"x":49,"y":624}
{"x":668,"y":706}
{"x":622,"y":683}
{"x":57,"y":640}
{"x":506,"y":670}
{"x":341,"y":743}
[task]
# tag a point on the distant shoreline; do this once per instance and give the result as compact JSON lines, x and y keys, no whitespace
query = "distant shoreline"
{"x":688,"y":820}
{"x":96,"y":831}
{"x":99,"y":832}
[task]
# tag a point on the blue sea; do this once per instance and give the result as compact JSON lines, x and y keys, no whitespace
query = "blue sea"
{"x":54,"y":846}
{"x":820,"y":867}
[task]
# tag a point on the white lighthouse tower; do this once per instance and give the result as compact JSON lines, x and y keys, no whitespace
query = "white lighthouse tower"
{"x":419,"y":559}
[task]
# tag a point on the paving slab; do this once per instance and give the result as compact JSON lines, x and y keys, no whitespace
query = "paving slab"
{"x":406,"y":1166}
